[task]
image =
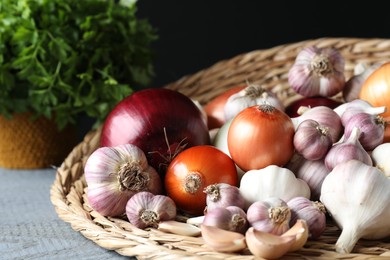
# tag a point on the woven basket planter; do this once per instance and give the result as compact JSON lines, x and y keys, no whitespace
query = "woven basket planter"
{"x":267,"y":67}
{"x":31,"y":144}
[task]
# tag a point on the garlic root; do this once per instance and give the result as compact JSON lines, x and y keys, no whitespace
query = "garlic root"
{"x":221,"y":240}
{"x":347,"y":240}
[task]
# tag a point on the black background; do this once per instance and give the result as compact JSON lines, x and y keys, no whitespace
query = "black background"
{"x":194,"y":35}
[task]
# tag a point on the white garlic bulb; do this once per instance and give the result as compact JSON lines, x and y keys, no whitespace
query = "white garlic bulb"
{"x":251,"y":95}
{"x":357,"y":196}
{"x":271,"y":215}
{"x":317,"y":72}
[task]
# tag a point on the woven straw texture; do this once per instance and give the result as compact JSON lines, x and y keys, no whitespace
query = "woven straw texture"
{"x":268,"y":67}
{"x":32,"y":144}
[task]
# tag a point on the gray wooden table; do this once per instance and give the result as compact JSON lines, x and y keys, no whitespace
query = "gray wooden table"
{"x":29,"y":225}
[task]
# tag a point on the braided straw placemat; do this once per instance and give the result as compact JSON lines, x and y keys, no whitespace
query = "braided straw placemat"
{"x":268,"y":67}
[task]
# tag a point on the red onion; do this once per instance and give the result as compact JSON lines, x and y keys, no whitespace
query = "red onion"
{"x":292,"y":109}
{"x":161,"y":122}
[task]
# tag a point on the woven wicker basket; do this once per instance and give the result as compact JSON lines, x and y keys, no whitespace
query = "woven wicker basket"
{"x":267,"y":67}
{"x":27,"y":143}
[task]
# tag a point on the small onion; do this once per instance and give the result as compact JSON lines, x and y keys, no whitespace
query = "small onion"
{"x":260,"y":136}
{"x":191,"y":171}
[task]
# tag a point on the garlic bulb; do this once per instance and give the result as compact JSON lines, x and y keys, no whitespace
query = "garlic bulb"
{"x":317,"y":72}
{"x":145,"y":209}
{"x":312,"y":140}
{"x":251,"y":95}
{"x":349,"y":109}
{"x":323,"y":115}
{"x":272,"y":181}
{"x":271,"y":215}
{"x":223,"y":195}
{"x":380,"y":158}
{"x":114,"y":174}
{"x":372,"y":129}
{"x":312,"y":172}
{"x":357,"y":197}
{"x":347,"y":149}
{"x":313,"y":212}
{"x":230,"y":218}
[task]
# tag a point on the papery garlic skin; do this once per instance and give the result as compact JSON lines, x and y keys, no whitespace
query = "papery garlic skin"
{"x":312,"y":140}
{"x":349,"y":109}
{"x":145,"y":209}
{"x":114,"y":174}
{"x":313,"y":212}
{"x":380,"y":158}
{"x":346,"y":150}
{"x":312,"y":172}
{"x":317,"y":72}
{"x":372,"y":128}
{"x":272,"y":181}
{"x":230,"y":218}
{"x":271,"y":215}
{"x":264,"y":245}
{"x":223,"y":195}
{"x":357,"y":196}
{"x":323,"y":115}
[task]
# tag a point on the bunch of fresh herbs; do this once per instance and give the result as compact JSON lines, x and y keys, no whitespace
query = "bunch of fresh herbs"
{"x":65,"y":58}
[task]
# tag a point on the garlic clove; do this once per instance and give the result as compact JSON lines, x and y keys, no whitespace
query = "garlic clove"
{"x":197,"y":221}
{"x":266,"y":245}
{"x":380,"y":158}
{"x":221,"y":240}
{"x":301,"y":232}
{"x":179,"y":228}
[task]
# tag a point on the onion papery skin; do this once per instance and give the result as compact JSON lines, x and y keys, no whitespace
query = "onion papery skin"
{"x":260,"y":136}
{"x":153,"y":118}
{"x":376,"y":88}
